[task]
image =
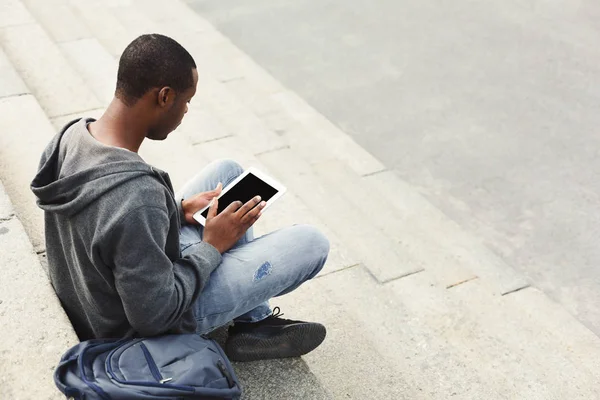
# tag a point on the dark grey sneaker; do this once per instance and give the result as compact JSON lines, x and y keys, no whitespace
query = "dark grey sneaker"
{"x":273,"y":337}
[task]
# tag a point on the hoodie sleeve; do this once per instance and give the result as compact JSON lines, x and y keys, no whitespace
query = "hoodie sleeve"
{"x":180,"y":212}
{"x":155,"y":291}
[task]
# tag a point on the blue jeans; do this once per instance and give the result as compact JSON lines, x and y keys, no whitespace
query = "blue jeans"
{"x":255,"y":269}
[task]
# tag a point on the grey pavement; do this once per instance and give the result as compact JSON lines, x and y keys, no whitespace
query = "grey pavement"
{"x":33,"y":327}
{"x":489,"y":109}
{"x":417,"y":304}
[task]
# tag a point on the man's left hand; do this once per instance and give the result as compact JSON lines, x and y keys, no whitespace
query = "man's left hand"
{"x":193,"y":204}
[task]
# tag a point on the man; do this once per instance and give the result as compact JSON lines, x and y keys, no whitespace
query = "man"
{"x":125,"y":256}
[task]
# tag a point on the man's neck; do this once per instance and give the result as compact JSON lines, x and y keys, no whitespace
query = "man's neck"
{"x":119,"y":127}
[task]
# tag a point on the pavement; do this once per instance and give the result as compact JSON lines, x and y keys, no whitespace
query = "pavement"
{"x":416,"y":307}
{"x":489,"y":109}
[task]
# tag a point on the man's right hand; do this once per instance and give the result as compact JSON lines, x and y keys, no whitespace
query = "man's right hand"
{"x":224,"y":230}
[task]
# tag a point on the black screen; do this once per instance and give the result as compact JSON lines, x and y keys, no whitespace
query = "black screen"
{"x":245,"y":190}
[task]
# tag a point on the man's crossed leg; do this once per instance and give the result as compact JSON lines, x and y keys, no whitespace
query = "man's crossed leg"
{"x":251,"y":273}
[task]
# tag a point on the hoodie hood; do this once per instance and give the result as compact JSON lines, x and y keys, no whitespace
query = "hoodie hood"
{"x":71,"y":192}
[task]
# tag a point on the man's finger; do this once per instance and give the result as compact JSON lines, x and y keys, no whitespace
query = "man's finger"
{"x":253,"y":221}
{"x":212,"y":211}
{"x":214,"y":193}
{"x":233,"y":207}
{"x":248,"y":206}
{"x":218,"y":189}
{"x":253,"y":214}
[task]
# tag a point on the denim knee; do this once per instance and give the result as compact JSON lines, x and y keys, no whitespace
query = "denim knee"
{"x":229,"y":167}
{"x":316,"y":244}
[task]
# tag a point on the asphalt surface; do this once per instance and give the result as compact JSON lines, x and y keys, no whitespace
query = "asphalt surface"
{"x":488,"y":108}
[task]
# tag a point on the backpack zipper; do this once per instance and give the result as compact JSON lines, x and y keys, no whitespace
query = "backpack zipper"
{"x":152,"y":365}
{"x":111,"y":373}
{"x":225,"y":372}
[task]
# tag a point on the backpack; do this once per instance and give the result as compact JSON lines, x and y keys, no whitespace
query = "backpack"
{"x":174,"y":367}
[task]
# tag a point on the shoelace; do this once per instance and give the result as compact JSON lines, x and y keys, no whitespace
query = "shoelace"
{"x":277,"y":313}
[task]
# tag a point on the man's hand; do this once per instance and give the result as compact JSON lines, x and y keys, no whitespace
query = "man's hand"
{"x":224,"y":230}
{"x":197,"y":202}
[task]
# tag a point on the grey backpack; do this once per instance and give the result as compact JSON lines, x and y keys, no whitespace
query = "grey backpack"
{"x":175,"y":367}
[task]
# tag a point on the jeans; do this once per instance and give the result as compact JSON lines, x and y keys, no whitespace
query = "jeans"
{"x":255,"y":269}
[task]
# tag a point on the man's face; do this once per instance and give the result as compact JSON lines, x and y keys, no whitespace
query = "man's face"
{"x":172,"y":114}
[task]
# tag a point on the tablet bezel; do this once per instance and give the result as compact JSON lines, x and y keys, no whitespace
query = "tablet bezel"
{"x":260,"y":175}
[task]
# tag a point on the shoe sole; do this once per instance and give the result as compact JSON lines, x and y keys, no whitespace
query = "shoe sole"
{"x":294,"y":341}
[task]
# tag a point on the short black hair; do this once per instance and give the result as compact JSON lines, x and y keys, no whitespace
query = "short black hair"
{"x":152,"y":61}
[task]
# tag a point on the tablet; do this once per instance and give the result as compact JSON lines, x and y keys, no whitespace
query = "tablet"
{"x":250,"y":183}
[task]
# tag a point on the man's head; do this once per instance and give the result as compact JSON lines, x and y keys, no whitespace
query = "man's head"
{"x":158,"y":76}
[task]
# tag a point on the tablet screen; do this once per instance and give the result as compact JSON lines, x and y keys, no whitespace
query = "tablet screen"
{"x":244,"y":190}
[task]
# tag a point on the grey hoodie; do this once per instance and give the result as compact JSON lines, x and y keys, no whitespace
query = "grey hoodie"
{"x":112,"y":240}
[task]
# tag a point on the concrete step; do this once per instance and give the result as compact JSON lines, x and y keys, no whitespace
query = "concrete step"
{"x":48,"y":12}
{"x":60,"y":122}
{"x":26,"y":132}
{"x":429,"y":239}
{"x":443,"y":243}
{"x":11,"y":83}
{"x":103,"y":25}
{"x":350,"y":363}
{"x":56,"y":85}
{"x":419,"y":250}
{"x":95,"y":65}
{"x":443,"y":343}
{"x":289,"y":379}
{"x":377,"y":251}
{"x":34,"y":329}
{"x":13,"y":13}
{"x":176,"y":156}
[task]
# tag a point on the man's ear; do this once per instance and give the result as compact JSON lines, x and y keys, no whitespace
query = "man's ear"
{"x":165,"y":96}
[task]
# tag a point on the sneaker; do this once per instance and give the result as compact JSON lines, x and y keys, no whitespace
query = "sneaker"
{"x":273,"y":337}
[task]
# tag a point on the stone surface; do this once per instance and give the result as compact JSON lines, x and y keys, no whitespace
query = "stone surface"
{"x":445,"y":243}
{"x":174,"y":155}
{"x":27,"y":131}
{"x":250,"y":129}
{"x":350,"y":363}
{"x":58,"y":88}
{"x":232,"y":148}
{"x":136,"y":22}
{"x":105,"y":27}
{"x":6,"y":209}
{"x":379,"y":253}
{"x":279,"y":379}
{"x":318,"y":139}
{"x":34,"y":328}
{"x":290,"y":210}
{"x":579,"y":342}
{"x":11,"y":83}
{"x":97,"y":67}
{"x":459,"y":342}
{"x":202,"y":126}
{"x":13,"y":12}
{"x":59,"y":122}
{"x":47,"y":12}
{"x":512,"y":328}
{"x":177,"y":15}
{"x":420,"y":248}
